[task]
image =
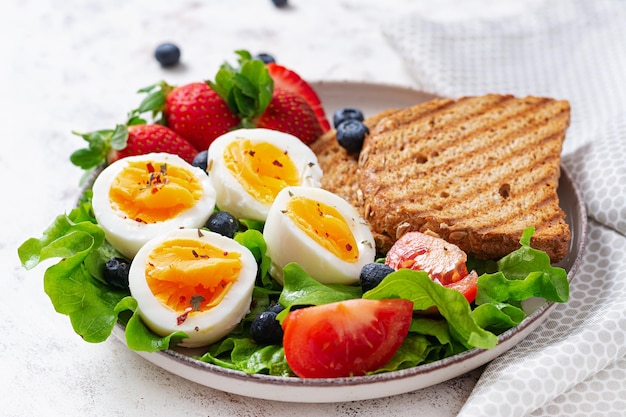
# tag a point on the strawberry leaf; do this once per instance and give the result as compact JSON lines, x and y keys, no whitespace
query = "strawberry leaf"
{"x":100,"y":143}
{"x":247,"y":89}
{"x":85,"y":158}
{"x":119,"y":137}
{"x":153,"y":102}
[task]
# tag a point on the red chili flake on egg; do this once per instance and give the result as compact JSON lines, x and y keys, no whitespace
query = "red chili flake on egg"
{"x":181,"y":319}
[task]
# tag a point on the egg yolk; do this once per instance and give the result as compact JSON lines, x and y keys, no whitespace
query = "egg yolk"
{"x":151,"y":192}
{"x":191,"y":275}
{"x":261,"y":168}
{"x":325,"y":225}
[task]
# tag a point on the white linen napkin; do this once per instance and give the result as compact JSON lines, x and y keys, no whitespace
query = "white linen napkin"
{"x":575,"y":363}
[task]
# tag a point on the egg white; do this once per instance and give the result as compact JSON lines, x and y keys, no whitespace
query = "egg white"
{"x":286,"y":242}
{"x":231,"y":196}
{"x":204,"y":327}
{"x":127,"y":235}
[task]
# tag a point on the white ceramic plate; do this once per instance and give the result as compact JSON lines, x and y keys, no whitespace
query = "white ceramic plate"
{"x":372,"y":98}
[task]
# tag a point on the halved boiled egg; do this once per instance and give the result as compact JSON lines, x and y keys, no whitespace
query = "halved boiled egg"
{"x":250,"y":166}
{"x":320,"y":231}
{"x":139,"y":197}
{"x":195,"y":281}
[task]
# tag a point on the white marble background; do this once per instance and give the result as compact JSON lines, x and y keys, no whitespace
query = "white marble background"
{"x":76,"y":65}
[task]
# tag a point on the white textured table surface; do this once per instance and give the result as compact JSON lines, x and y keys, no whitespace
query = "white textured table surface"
{"x":76,"y":65}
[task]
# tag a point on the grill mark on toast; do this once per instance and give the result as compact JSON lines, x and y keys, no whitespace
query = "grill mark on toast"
{"x":520,"y":131}
{"x":494,"y":182}
{"x":424,"y":110}
{"x":381,"y":137}
{"x":448,"y":108}
{"x":472,"y":134}
{"x":522,"y":147}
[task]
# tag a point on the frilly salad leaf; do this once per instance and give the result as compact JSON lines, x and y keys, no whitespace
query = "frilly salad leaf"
{"x":242,"y":354}
{"x":523,"y":274}
{"x":75,"y":285}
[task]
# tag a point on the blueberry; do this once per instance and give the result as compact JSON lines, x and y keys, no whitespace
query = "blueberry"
{"x":347,"y":113}
{"x":266,"y":329}
{"x":167,"y":54}
{"x":265,"y":57}
{"x":116,"y":272}
{"x":351,"y":134}
{"x":372,"y":274}
{"x":275,"y":308}
{"x":279,"y":3}
{"x":201,"y":160}
{"x":223,"y":223}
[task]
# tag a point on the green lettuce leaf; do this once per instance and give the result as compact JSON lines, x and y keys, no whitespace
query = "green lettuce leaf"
{"x":415,"y":350}
{"x":523,"y":274}
{"x":253,"y":240}
{"x":138,"y":336}
{"x":242,"y":354}
{"x":425,"y":293}
{"x":300,"y":289}
{"x":498,"y":317}
{"x":75,"y":284}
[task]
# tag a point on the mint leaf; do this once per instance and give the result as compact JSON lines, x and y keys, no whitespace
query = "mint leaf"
{"x":247,"y":89}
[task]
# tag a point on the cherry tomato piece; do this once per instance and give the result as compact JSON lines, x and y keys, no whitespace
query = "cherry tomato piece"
{"x":467,"y":286}
{"x":444,"y":261}
{"x":346,"y":338}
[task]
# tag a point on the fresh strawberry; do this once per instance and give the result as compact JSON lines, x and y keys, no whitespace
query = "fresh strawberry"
{"x":287,"y":80}
{"x":106,"y":146}
{"x":198,"y":113}
{"x":143,"y":139}
{"x":289,"y":112}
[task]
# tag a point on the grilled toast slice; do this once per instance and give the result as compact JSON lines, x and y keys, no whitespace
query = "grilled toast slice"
{"x":475,"y":171}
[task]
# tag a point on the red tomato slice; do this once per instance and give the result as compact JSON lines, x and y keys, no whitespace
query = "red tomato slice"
{"x":467,"y":286}
{"x":444,"y":262}
{"x":347,"y":338}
